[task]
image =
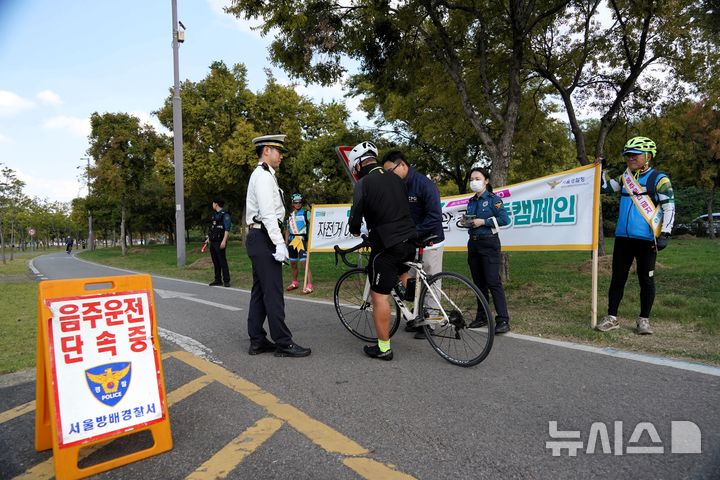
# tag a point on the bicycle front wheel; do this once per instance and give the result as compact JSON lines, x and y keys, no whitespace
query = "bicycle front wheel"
{"x":448,"y":327}
{"x":355,"y":311}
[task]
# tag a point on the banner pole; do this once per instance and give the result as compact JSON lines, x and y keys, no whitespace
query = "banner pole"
{"x":307,"y":268}
{"x":596,"y":245}
{"x":593,"y":308}
{"x":308,"y":246}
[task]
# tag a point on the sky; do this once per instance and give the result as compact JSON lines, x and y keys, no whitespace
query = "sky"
{"x":60,"y":61}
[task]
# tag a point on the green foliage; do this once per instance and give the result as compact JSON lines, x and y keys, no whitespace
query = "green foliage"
{"x":124,"y":176}
{"x":447,"y":77}
{"x":688,"y":136}
{"x":603,"y":66}
{"x":18,"y":214}
{"x":220,"y":118}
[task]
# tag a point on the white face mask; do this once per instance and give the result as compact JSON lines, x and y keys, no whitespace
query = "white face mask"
{"x":477,"y":186}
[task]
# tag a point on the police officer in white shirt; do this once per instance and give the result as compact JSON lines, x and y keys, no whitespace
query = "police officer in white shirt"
{"x":264,"y":212}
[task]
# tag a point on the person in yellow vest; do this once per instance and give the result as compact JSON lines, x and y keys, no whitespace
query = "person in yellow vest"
{"x":296,"y":237}
{"x":647,"y":214}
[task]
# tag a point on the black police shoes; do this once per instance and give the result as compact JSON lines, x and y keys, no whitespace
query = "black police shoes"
{"x":226,"y":284}
{"x":373,"y":351}
{"x":478,"y":323}
{"x":256,"y":349}
{"x":292,"y":350}
{"x":502,"y":327}
{"x":215,"y":284}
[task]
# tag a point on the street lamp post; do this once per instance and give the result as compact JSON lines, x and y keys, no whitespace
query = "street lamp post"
{"x":178,"y":145}
{"x":91,"y":234}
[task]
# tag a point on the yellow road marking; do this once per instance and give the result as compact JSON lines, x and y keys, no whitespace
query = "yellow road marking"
{"x":28,"y":407}
{"x":322,"y":435}
{"x":225,"y":460}
{"x":46,"y":469}
{"x":369,"y":468}
{"x":181,"y":393}
{"x":230,"y":456}
{"x":8,"y":415}
{"x":41,"y":471}
{"x":319,"y":433}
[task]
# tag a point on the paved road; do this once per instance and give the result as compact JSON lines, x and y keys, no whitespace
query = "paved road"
{"x":338,"y":414}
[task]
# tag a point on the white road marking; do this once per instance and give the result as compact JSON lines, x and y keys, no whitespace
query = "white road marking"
{"x":191,"y":297}
{"x":611,"y":352}
{"x":188,"y":344}
{"x":614,"y":352}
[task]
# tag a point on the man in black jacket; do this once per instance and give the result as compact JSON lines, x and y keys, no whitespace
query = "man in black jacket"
{"x":381,"y":199}
{"x":424,"y":200}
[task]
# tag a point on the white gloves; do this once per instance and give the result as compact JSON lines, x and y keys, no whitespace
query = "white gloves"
{"x":364,"y":230}
{"x":281,"y":253}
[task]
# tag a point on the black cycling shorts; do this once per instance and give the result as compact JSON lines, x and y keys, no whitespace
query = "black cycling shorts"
{"x":386,"y":266}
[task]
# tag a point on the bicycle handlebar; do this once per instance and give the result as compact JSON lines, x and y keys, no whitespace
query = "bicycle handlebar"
{"x":343,"y":252}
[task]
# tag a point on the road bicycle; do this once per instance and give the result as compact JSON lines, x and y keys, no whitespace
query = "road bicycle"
{"x":445,"y":306}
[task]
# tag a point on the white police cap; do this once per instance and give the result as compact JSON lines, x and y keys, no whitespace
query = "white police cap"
{"x":271,"y":141}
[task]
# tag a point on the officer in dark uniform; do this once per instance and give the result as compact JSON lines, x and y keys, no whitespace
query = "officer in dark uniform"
{"x":264,"y":213}
{"x":218,"y":238}
{"x":485,"y":213}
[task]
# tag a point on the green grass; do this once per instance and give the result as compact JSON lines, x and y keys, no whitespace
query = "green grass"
{"x":18,"y":314}
{"x":549,"y":293}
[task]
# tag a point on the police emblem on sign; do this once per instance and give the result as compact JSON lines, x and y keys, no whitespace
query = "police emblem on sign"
{"x":109,"y":382}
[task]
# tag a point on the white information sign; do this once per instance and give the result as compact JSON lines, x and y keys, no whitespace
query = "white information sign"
{"x":557,"y":212}
{"x":106,"y":374}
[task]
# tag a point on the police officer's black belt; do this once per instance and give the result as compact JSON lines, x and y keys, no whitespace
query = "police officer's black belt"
{"x":255,"y":225}
{"x":480,"y":237}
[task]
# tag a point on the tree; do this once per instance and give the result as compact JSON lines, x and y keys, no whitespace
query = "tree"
{"x":215,"y":112}
{"x":11,"y":196}
{"x":220,"y":118}
{"x":123,"y":151}
{"x":689,"y":133}
{"x":603,"y":66}
{"x":441,"y":143}
{"x":479,"y":46}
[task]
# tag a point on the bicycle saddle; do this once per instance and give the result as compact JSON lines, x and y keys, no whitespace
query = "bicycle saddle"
{"x":425,"y":241}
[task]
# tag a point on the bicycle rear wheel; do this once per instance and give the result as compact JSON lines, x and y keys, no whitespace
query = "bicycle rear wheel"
{"x":354,"y":311}
{"x":463,"y":303}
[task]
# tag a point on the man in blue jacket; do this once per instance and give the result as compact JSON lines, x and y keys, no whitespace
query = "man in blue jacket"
{"x":426,"y":212}
{"x":645,"y":220}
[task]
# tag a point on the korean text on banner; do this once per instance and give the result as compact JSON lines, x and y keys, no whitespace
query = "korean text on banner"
{"x":556,"y":212}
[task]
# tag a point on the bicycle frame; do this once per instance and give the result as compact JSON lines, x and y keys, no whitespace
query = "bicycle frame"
{"x":421,"y":279}
{"x":444,"y":312}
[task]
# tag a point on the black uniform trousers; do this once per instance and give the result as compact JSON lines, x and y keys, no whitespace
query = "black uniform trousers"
{"x":484,"y":259}
{"x":624,"y":252}
{"x":220,"y":263}
{"x":266,"y":297}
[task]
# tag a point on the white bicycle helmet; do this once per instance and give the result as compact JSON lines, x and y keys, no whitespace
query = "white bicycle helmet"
{"x":360,"y":152}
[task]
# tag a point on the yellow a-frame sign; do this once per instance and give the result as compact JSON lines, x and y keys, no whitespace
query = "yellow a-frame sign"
{"x":99,"y":370}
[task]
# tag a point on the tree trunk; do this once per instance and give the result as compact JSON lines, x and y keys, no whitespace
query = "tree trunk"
{"x":12,"y":238}
{"x":123,"y":241}
{"x":710,"y":208}
{"x":2,"y":241}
